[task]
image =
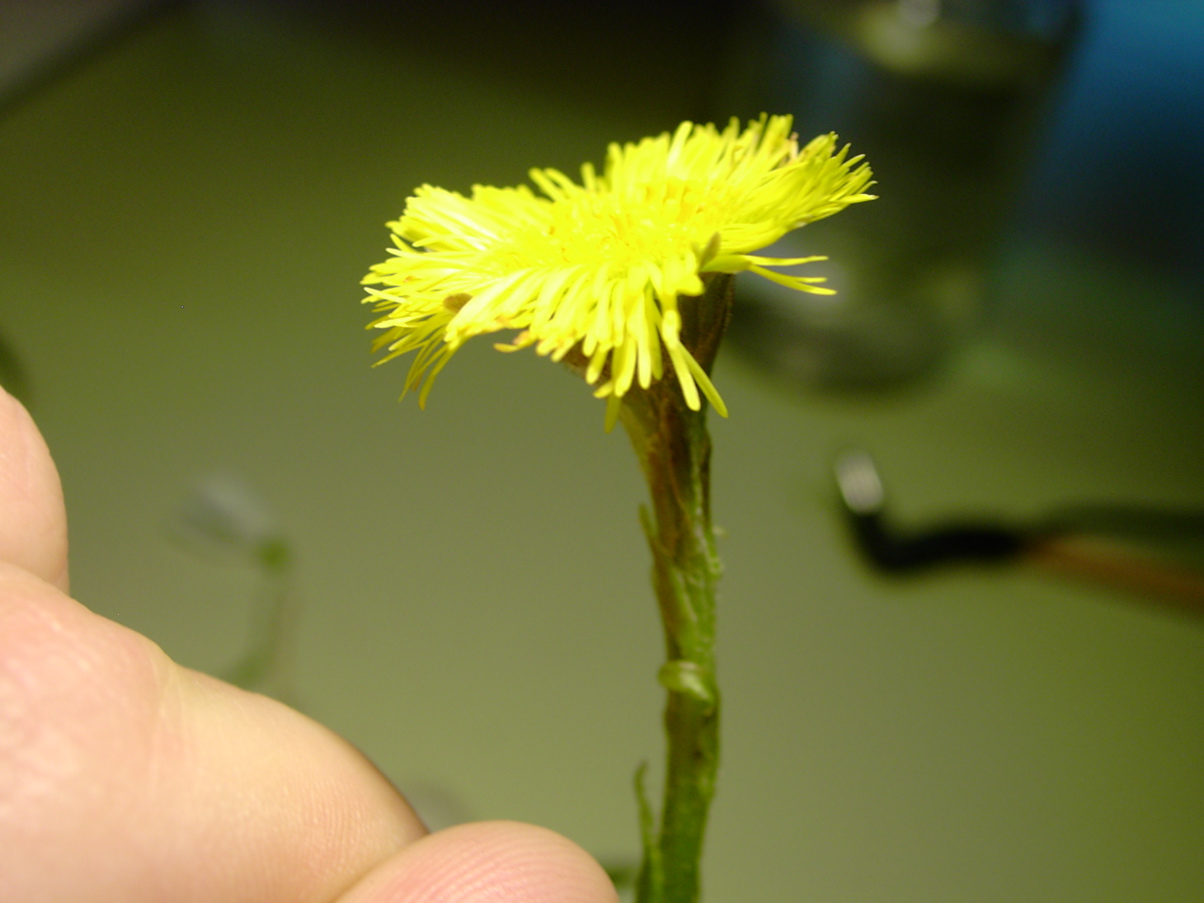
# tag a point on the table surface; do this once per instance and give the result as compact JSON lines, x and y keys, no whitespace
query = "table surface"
{"x":184,"y":219}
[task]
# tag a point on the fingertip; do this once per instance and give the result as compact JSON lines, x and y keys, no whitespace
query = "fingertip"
{"x":33,"y":523}
{"x":499,"y":861}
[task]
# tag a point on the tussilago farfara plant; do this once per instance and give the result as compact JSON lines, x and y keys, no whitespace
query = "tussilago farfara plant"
{"x":626,"y":277}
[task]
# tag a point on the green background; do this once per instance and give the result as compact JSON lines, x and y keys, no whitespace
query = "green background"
{"x":184,"y":219}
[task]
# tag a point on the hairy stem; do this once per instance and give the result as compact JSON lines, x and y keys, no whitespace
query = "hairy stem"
{"x":674,"y":450}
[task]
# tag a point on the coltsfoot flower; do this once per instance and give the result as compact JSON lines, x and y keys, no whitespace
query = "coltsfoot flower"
{"x":601,"y":269}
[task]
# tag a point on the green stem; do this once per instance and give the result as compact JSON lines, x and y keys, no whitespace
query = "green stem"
{"x":674,"y":449}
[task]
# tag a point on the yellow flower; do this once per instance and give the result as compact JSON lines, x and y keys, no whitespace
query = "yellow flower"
{"x":600,"y":268}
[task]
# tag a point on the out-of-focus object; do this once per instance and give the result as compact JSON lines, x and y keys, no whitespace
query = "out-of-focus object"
{"x":944,"y":97}
{"x":1110,"y":544}
{"x":223,"y":517}
{"x":39,"y":36}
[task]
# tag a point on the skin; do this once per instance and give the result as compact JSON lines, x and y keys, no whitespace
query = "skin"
{"x":126,"y":778}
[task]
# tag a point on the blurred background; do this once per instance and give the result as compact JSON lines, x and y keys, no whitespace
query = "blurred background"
{"x":191,"y":191}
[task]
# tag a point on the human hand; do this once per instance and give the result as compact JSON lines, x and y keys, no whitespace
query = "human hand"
{"x":125,"y":777}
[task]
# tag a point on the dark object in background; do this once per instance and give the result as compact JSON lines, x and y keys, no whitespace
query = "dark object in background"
{"x":896,"y":551}
{"x":1105,"y":543}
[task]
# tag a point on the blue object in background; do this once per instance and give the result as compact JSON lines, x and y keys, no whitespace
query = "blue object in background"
{"x":1122,"y":166}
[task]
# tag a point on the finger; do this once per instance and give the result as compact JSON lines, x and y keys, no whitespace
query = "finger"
{"x":125,"y":777}
{"x":503,"y":862}
{"x":33,"y":527}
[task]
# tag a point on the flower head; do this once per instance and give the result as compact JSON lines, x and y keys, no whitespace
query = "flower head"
{"x":600,"y":269}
